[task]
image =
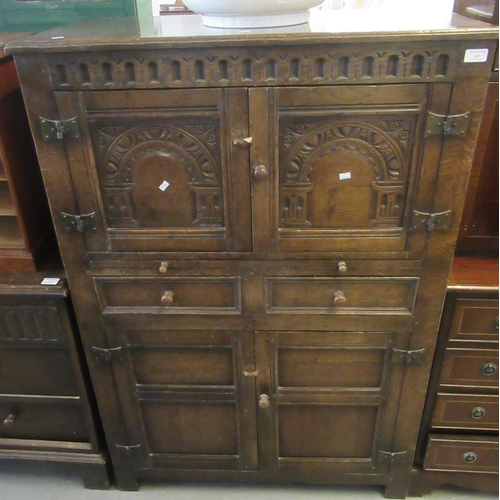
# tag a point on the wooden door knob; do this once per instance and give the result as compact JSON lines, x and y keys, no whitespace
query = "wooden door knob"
{"x":264,"y":401}
{"x":260,"y":173}
{"x":163,"y":267}
{"x":339,"y":298}
{"x":342,"y":266}
{"x":167,"y":298}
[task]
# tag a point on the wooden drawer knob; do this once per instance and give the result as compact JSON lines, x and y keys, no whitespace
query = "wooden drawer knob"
{"x":167,"y":298}
{"x":264,"y":401}
{"x":469,"y":457}
{"x":478,"y":413}
{"x":489,"y":369}
{"x":163,"y":267}
{"x":260,"y":173}
{"x":339,"y":298}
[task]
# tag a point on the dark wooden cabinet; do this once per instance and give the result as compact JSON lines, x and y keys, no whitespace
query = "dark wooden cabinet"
{"x":26,"y":232}
{"x":47,"y":407}
{"x":257,"y":234}
{"x":458,"y":442}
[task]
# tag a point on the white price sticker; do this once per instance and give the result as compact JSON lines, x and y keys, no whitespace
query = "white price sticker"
{"x":344,"y":176}
{"x":476,"y":55}
{"x":164,"y":185}
{"x":50,"y":281}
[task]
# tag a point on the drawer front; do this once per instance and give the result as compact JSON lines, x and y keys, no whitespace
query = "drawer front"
{"x":49,"y":420}
{"x":470,"y":367}
{"x":456,"y":411}
{"x":468,"y":454}
{"x":171,"y":295}
{"x":37,"y":372}
{"x":327,"y":295}
{"x":475,"y":319}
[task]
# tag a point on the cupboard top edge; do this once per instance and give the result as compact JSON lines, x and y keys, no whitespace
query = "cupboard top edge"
{"x":175,"y":32}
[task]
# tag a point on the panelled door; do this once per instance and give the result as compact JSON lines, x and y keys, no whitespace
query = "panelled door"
{"x":327,"y":401}
{"x":154,"y":168}
{"x":350,"y":167}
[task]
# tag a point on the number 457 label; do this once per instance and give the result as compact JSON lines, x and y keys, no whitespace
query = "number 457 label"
{"x":476,"y":55}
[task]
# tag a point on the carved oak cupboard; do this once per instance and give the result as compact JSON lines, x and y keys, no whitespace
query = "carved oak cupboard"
{"x":257,"y":232}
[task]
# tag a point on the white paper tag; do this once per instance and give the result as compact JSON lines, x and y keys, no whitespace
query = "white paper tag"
{"x":476,"y":55}
{"x":164,"y":185}
{"x":50,"y":281}
{"x":344,"y":176}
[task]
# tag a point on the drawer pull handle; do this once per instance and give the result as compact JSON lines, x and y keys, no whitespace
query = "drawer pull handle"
{"x":260,"y":173}
{"x":264,"y":401}
{"x":163,"y":267}
{"x":496,"y":323}
{"x":469,"y":457}
{"x":247,"y":141}
{"x":9,"y":420}
{"x":478,"y":412}
{"x":489,"y":369}
{"x":339,"y":298}
{"x":168,"y":298}
{"x":342,"y":267}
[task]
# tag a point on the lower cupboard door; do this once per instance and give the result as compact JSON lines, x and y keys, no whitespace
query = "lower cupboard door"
{"x":327,"y":402}
{"x":185,"y":399}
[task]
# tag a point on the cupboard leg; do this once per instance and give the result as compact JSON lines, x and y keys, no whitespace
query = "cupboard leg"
{"x":96,"y":477}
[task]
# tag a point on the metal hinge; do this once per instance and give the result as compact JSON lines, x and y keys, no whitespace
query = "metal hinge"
{"x":431,"y":222}
{"x":128,"y":450}
{"x":106,"y":354}
{"x":79,"y":223}
{"x":58,"y":129}
{"x":408,"y":357}
{"x":393,"y":458}
{"x":447,"y":124}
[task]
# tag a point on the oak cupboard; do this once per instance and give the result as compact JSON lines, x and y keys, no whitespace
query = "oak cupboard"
{"x":257,"y":232}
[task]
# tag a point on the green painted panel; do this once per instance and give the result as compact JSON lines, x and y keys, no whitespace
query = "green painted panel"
{"x":40,"y":15}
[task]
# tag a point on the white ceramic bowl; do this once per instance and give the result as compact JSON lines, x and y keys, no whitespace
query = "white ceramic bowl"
{"x":252,"y":13}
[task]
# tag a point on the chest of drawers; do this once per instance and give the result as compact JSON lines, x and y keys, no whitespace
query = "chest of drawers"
{"x":257,"y":232}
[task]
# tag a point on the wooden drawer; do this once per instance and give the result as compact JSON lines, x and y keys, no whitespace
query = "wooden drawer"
{"x":48,"y":419}
{"x":37,"y":372}
{"x":171,"y":295}
{"x":462,"y":453}
{"x":469,"y":411}
{"x":475,"y":319}
{"x":348,"y":295}
{"x":470,"y":367}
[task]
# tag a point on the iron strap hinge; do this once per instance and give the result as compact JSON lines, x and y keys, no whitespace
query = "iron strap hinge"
{"x":59,"y":129}
{"x":447,"y":124}
{"x":79,"y":223}
{"x":408,"y":357}
{"x":105,"y":355}
{"x":398,"y":457}
{"x":127,"y":450}
{"x":432,"y":222}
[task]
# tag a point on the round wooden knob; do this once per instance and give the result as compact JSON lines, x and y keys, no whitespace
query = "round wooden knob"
{"x":339,"y":298}
{"x":163,"y":267}
{"x":342,"y":267}
{"x":260,"y":173}
{"x":264,"y":401}
{"x":9,"y":420}
{"x":168,"y":298}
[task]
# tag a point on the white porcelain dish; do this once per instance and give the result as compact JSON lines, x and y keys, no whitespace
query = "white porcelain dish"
{"x":252,"y":13}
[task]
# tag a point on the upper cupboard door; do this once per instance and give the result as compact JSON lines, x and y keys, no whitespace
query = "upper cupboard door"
{"x":350,"y":166}
{"x":160,"y":169}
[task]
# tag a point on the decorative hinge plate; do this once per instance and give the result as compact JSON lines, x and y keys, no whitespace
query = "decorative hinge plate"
{"x":58,"y":129}
{"x":431,"y":222}
{"x":106,"y":354}
{"x":393,"y":458}
{"x":79,"y":223}
{"x":408,"y":357}
{"x":447,"y":124}
{"x":128,"y":450}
